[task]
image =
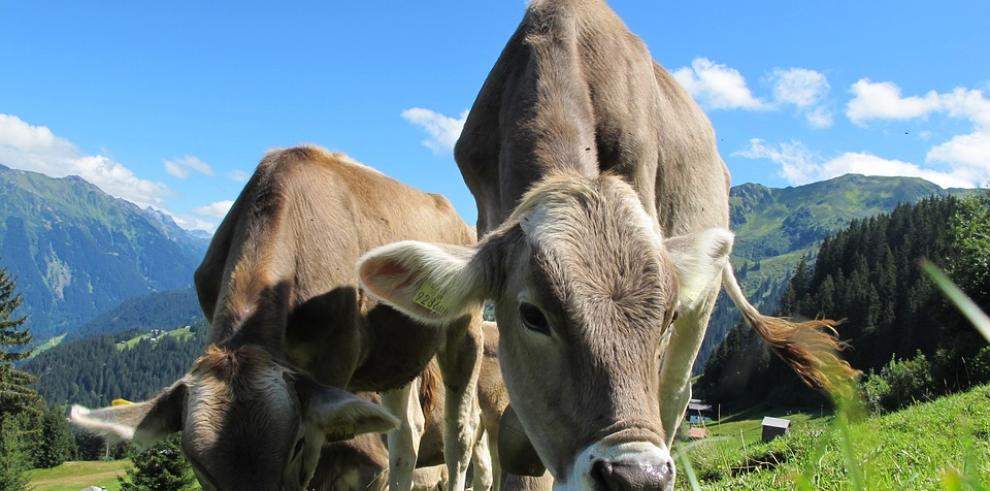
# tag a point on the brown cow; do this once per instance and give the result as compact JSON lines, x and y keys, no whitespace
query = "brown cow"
{"x":362,"y":463}
{"x":279,"y":289}
{"x":603,"y":207}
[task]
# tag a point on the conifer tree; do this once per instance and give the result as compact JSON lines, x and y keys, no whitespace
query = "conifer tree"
{"x":160,"y":467}
{"x":56,"y":444}
{"x":15,"y":393}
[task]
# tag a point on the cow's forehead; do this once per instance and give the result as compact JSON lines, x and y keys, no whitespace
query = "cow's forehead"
{"x":596,"y":246}
{"x":567,"y":204}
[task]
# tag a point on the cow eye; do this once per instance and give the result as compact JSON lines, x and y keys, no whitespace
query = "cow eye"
{"x":533,"y":318}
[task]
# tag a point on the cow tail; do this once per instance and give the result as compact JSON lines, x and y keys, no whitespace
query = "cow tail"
{"x":811,"y":347}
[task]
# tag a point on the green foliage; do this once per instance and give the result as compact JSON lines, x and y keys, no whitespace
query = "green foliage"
{"x":161,"y":467}
{"x":899,"y":383}
{"x":158,"y":310}
{"x":866,"y":274}
{"x":57,"y":443}
{"x":970,"y":263}
{"x":776,"y":228}
{"x":15,"y":459}
{"x":16,"y":395}
{"x":93,"y":371}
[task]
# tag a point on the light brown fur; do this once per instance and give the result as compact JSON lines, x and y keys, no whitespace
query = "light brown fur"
{"x":288,"y":326}
{"x":575,"y":94}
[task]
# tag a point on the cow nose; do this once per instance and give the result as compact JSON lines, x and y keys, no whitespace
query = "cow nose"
{"x":624,"y":475}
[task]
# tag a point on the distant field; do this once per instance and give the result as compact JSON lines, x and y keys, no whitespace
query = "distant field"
{"x":182,"y":333}
{"x":73,"y":476}
{"x":935,"y":445}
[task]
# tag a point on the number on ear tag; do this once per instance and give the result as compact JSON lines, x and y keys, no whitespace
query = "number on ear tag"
{"x":430,"y":298}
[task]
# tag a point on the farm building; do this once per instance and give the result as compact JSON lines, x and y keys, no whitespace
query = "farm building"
{"x":774,"y":427}
{"x":698,"y":412}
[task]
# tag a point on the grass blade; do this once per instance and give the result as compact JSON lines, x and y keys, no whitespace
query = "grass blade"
{"x":958,"y":298}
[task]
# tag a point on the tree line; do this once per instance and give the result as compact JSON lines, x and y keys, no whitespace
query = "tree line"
{"x":34,"y":393}
{"x":910,"y":343}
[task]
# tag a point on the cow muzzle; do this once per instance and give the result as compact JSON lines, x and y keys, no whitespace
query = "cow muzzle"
{"x":633,"y":466}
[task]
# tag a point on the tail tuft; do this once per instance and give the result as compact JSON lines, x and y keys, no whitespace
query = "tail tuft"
{"x":811,"y":348}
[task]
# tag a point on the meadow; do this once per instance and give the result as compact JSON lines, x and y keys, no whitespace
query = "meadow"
{"x":942,"y":444}
{"x":76,"y":475}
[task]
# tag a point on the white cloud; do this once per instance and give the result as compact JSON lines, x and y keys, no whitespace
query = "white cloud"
{"x":443,"y":130}
{"x":176,"y":170}
{"x":883,"y":100}
{"x":192,"y":223}
{"x":971,"y":151}
{"x":805,"y":89}
{"x":180,"y":167}
{"x":967,"y":155}
{"x":798,"y":165}
{"x":216,"y":209}
{"x":36,"y":148}
{"x":819,"y":117}
{"x":238,"y":175}
{"x":717,"y":86}
{"x":799,"y":86}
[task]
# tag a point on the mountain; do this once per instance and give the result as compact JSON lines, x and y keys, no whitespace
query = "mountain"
{"x":776,"y":227}
{"x":76,"y":251}
{"x":158,"y":310}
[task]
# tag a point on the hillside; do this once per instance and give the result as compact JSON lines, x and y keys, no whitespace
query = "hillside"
{"x":910,"y":449}
{"x":95,"y":370}
{"x":76,"y":251}
{"x":776,"y":227}
{"x":159,"y":310}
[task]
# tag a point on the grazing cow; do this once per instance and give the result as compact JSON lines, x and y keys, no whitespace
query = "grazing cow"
{"x":603,"y":207}
{"x":279,"y":288}
{"x":361,"y":463}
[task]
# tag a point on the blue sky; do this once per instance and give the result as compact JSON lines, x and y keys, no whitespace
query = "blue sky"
{"x":171,"y":104}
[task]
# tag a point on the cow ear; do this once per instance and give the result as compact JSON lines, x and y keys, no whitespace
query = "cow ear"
{"x":431,"y":283}
{"x":144,"y":422}
{"x":699,"y":259}
{"x":340,"y":415}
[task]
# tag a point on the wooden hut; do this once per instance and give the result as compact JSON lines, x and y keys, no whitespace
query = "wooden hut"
{"x":774,"y":427}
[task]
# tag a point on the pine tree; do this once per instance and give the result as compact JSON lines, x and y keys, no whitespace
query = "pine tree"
{"x":13,"y":456}
{"x":15,"y":394}
{"x":57,"y":443}
{"x":160,"y":467}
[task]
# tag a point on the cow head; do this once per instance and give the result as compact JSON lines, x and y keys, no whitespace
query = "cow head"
{"x":247,"y":421}
{"x":585,"y":291}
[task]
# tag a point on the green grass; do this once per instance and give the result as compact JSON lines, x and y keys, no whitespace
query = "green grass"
{"x":73,"y":476}
{"x":182,"y":333}
{"x":935,"y":445}
{"x":47,"y":345}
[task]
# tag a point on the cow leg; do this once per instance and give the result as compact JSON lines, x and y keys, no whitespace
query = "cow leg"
{"x":460,"y":365}
{"x":403,"y":443}
{"x":679,"y":356}
{"x":484,"y":476}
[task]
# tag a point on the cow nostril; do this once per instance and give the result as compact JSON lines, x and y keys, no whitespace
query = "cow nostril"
{"x":630,"y":476}
{"x":601,"y":473}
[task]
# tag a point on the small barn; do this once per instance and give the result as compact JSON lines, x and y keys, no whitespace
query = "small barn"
{"x":774,"y":427}
{"x":698,"y":412}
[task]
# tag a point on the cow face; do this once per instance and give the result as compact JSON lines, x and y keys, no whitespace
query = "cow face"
{"x":247,"y":421}
{"x":585,"y":291}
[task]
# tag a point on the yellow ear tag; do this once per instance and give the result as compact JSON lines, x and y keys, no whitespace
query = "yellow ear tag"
{"x":120,"y":402}
{"x":430,"y":298}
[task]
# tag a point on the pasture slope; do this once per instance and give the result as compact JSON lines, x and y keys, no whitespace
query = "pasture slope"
{"x":942,"y":444}
{"x":73,"y":476}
